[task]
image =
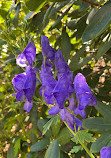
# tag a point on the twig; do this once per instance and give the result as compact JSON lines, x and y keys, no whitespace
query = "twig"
{"x":92,"y":3}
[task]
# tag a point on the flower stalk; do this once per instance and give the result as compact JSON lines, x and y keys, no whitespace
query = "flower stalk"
{"x":82,"y":144}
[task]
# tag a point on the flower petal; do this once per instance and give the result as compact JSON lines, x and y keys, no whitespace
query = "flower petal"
{"x":80,"y":84}
{"x":29,"y":93}
{"x":21,"y":60}
{"x":28,"y":106}
{"x":62,"y":113}
{"x":19,"y":81}
{"x":105,"y":152}
{"x":83,"y":100}
{"x":47,"y":50}
{"x":60,"y":63}
{"x":54,"y":110}
{"x":82,"y":113}
{"x":30,"y":53}
{"x":92,"y":101}
{"x":27,"y":56}
{"x":30,"y":78}
{"x":78,"y":123}
{"x":20,"y":96}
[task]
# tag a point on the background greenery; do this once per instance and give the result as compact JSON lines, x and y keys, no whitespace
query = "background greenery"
{"x":81,"y":29}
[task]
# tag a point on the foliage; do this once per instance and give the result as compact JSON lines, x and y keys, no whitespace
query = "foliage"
{"x":81,"y":30}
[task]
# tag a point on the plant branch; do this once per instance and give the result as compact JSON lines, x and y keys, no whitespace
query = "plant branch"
{"x":80,"y":141}
{"x":92,"y":3}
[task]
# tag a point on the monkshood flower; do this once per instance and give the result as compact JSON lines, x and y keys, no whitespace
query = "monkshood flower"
{"x":48,"y":82}
{"x":27,"y":57}
{"x":63,"y":89}
{"x":83,"y":93}
{"x":60,"y":64}
{"x":82,"y":113}
{"x":105,"y":152}
{"x":66,"y":115}
{"x":25,"y":84}
{"x":47,"y":50}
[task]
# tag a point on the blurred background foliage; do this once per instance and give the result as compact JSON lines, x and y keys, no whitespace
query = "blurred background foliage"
{"x":82,"y":30}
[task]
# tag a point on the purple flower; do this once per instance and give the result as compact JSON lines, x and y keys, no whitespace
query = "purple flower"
{"x":54,"y":110}
{"x":83,"y":93}
{"x":60,"y":63}
{"x":60,"y":91}
{"x":47,"y":50}
{"x":48,"y":82}
{"x":64,"y":88}
{"x":66,"y":115}
{"x":25,"y":84}
{"x":105,"y":152}
{"x":27,"y":57}
{"x":82,"y":113}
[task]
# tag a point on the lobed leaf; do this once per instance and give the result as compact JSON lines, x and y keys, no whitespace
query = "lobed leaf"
{"x":75,"y":149}
{"x":47,"y":125}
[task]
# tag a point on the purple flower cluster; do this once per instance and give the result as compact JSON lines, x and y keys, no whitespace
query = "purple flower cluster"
{"x":60,"y":89}
{"x":25,"y":83}
{"x":105,"y":152}
{"x":66,"y":96}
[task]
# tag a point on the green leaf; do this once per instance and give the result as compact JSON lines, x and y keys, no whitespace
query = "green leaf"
{"x":64,"y":136}
{"x":17,"y":145}
{"x":38,"y":146}
{"x":9,"y":60}
{"x":101,"y":142}
{"x":58,"y":0}
{"x":65,"y":44}
{"x":99,"y":23}
{"x":77,"y":62}
{"x":60,"y":17}
{"x":56,"y":125}
{"x":33,"y":117}
{"x":72,"y":25}
{"x":9,"y":114}
{"x":104,"y":47}
{"x":36,"y":22}
{"x":34,"y":4}
{"x":47,"y":125}
{"x":10,"y":152}
{"x":97,"y":124}
{"x":29,"y":15}
{"x":75,"y":149}
{"x":33,"y":137}
{"x":75,"y":59}
{"x":81,"y":22}
{"x":84,"y":136}
{"x":16,"y":18}
{"x":53,"y":150}
{"x":47,"y":14}
{"x":57,"y":7}
{"x":104,"y":109}
{"x":40,"y":124}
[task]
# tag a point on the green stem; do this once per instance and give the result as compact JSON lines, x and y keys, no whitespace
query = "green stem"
{"x":82,"y":144}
